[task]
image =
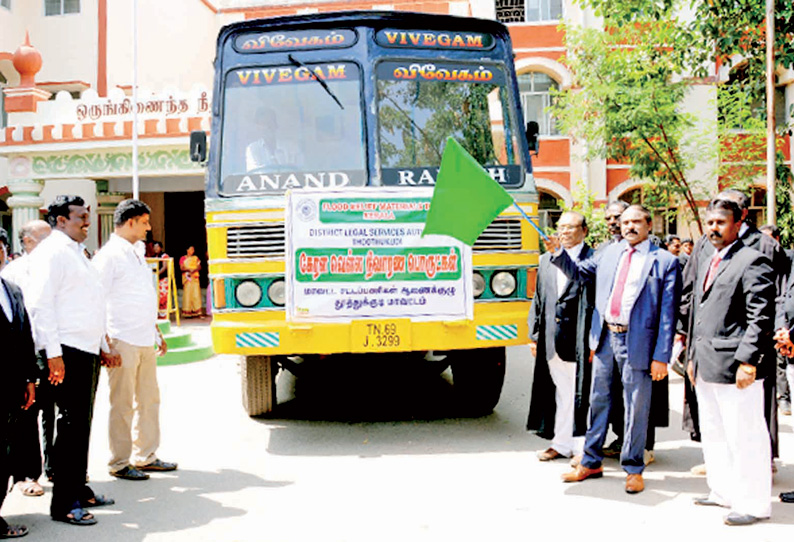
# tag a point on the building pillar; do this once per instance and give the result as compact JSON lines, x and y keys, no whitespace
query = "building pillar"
{"x":106,"y":207}
{"x":24,"y":203}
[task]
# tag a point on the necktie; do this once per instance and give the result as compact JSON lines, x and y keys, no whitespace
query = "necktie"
{"x":715,"y":263}
{"x":617,"y":292}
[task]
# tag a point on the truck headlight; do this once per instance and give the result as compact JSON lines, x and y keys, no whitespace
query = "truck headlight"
{"x":248,"y":293}
{"x":277,"y":292}
{"x":503,"y":283}
{"x":478,"y":283}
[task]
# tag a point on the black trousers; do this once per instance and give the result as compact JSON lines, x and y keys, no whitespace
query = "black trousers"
{"x":74,"y":398}
{"x":26,"y":447}
{"x":6,"y":429}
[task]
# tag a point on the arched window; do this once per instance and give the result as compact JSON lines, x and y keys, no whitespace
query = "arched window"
{"x":535,"y":89}
{"x":549,"y":209}
{"x":664,"y":217}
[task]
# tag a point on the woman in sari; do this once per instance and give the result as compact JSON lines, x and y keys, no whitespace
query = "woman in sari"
{"x":191,"y":291}
{"x":162,"y":279}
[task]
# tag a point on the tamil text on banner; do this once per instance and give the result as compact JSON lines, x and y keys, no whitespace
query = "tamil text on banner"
{"x":359,"y":254}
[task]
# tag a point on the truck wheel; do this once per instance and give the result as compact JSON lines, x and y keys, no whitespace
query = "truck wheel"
{"x":477,"y":379}
{"x":259,"y":384}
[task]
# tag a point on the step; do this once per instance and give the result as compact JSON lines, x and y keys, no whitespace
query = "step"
{"x":178,"y":339}
{"x":185,"y":354}
{"x":165,"y":326}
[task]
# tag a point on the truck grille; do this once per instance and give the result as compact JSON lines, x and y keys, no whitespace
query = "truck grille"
{"x":268,"y":240}
{"x":262,"y":240}
{"x":503,"y":234}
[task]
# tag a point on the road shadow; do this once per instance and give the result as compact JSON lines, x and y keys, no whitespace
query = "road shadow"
{"x":167,"y":502}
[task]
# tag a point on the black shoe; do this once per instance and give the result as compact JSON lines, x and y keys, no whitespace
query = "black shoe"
{"x":741,"y":519}
{"x":130,"y":473}
{"x":787,"y":496}
{"x":614,"y":449}
{"x":158,"y":465}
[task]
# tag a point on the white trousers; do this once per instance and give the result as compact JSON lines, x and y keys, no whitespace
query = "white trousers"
{"x":134,"y":397}
{"x":563,"y":374}
{"x":736,"y":446}
{"x":790,"y":375}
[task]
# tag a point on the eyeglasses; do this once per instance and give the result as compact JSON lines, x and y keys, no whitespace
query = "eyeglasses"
{"x":566,"y":227}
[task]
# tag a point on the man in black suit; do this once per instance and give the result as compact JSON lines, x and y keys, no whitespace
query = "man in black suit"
{"x":559,"y":326}
{"x":703,"y":251}
{"x":732,"y":316}
{"x":17,"y":374}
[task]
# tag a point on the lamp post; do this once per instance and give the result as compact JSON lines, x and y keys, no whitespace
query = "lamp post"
{"x":135,"y":181}
{"x":770,"y":112}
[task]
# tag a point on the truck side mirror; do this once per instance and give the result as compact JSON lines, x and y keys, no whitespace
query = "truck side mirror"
{"x":532,"y":137}
{"x":198,"y":146}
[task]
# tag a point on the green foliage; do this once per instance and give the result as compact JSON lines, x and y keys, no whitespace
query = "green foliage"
{"x":584,"y":202}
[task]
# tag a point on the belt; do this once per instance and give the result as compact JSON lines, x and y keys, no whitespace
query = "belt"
{"x":617,"y":328}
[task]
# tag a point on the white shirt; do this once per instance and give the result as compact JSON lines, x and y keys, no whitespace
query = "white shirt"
{"x":562,"y":280}
{"x":631,"y":288}
{"x":66,"y":304}
{"x":5,"y":302}
{"x":18,"y":272}
{"x":128,"y":285}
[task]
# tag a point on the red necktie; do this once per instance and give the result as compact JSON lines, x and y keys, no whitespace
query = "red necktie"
{"x":715,"y":263}
{"x":617,"y":292}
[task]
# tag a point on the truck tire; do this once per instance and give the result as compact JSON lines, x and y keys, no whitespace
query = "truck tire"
{"x":259,"y":384}
{"x":477,"y":379}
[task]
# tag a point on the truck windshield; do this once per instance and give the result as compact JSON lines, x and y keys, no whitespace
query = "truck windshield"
{"x":421,"y":104}
{"x":283,"y":129}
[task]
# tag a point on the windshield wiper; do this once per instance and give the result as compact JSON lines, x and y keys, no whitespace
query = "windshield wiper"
{"x":317,"y":78}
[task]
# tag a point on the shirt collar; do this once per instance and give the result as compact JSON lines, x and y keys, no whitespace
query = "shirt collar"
{"x":722,"y":253}
{"x":138,"y":248}
{"x":743,"y":229}
{"x":65,"y":240}
{"x":644,"y":247}
{"x":575,"y":251}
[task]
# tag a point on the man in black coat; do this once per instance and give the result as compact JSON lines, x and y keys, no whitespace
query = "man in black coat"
{"x":17,"y":374}
{"x":732,"y":316}
{"x":703,"y":251}
{"x":559,"y":324}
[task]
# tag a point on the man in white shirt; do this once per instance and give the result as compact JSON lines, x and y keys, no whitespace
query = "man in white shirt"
{"x":27,"y":448}
{"x":67,"y":309}
{"x":128,"y":285}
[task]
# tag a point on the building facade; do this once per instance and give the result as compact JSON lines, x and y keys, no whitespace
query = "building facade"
{"x":66,"y":119}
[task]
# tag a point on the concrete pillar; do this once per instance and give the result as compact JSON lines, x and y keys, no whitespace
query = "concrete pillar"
{"x":24,"y":203}
{"x":106,"y":206}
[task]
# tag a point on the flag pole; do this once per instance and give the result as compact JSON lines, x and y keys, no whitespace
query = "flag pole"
{"x":531,"y":222}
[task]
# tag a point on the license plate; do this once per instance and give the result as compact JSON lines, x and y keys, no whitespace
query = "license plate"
{"x":381,"y":335}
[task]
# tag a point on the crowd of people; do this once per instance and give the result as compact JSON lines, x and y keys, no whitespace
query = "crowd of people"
{"x":67,"y":315}
{"x":606,"y":323}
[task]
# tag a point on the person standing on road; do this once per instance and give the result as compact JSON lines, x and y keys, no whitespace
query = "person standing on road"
{"x":17,"y":374}
{"x":733,"y":311}
{"x":67,"y":310}
{"x":638,"y":287}
{"x":127,"y":282}
{"x":27,"y":449}
{"x":559,"y":324}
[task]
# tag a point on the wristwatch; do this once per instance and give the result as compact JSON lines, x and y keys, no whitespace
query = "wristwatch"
{"x":749,"y":369}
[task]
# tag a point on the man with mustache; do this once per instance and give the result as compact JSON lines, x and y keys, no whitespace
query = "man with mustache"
{"x":67,"y":310}
{"x":703,"y":251}
{"x":637,"y":293}
{"x":733,"y":310}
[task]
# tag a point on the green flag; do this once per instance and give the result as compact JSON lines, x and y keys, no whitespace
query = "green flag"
{"x":466,"y":199}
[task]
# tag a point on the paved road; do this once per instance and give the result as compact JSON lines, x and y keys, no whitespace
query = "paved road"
{"x":384,"y":467}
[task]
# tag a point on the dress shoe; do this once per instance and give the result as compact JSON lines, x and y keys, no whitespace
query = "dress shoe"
{"x":787,"y":496}
{"x":699,"y":470}
{"x":705,"y":501}
{"x":634,"y":483}
{"x":785,"y":407}
{"x":576,"y":460}
{"x":549,"y":454}
{"x":648,"y":457}
{"x":158,"y":465}
{"x":735,"y":518}
{"x":582,"y":473}
{"x":130,"y":473}
{"x":613,"y":450}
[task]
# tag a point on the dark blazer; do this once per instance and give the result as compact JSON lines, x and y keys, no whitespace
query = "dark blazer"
{"x":653,"y":317}
{"x":785,"y":312}
{"x":18,"y":366}
{"x":560,"y":324}
{"x":732,"y":321}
